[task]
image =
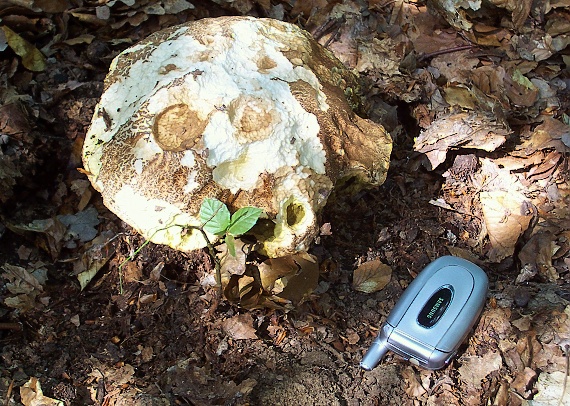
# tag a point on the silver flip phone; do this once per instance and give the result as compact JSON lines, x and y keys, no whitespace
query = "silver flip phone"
{"x":434,"y":315}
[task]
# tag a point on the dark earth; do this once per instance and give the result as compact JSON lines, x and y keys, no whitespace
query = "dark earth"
{"x":145,"y":331}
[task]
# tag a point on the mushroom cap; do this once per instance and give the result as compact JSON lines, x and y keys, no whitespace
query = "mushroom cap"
{"x":253,"y":112}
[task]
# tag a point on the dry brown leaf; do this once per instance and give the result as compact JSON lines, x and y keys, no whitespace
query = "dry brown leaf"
{"x":239,"y":327}
{"x":229,"y":264}
{"x":505,"y":219}
{"x":520,"y":90}
{"x":474,"y":368}
{"x":520,"y":9}
{"x":414,"y":386}
{"x":301,"y":284}
{"x":274,"y":269}
{"x":379,"y":56}
{"x":371,"y":276}
{"x":524,"y":381}
{"x":308,"y":7}
{"x":52,"y":6}
{"x":551,"y":133}
{"x":536,"y":257}
{"x":463,"y":253}
{"x":291,"y":277}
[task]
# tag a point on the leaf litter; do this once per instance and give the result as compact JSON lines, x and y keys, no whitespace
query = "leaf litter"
{"x":481,"y":130}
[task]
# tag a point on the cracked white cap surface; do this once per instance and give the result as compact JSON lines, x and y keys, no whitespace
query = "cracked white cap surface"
{"x":250,"y":111}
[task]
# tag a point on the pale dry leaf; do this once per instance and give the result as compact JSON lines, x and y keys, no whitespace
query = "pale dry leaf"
{"x":96,"y":254}
{"x":229,"y":264}
{"x":505,"y":220}
{"x":474,"y":368}
{"x":115,"y":375}
{"x":523,"y":324}
{"x":239,"y":327}
{"x":31,"y":394}
{"x":24,"y":285}
{"x":465,"y":130}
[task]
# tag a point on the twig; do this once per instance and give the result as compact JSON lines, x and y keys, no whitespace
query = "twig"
{"x":567,"y":348}
{"x":11,"y":326}
{"x":445,"y":51}
{"x":9,"y":393}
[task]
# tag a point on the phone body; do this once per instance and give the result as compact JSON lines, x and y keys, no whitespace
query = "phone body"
{"x":433,"y":316}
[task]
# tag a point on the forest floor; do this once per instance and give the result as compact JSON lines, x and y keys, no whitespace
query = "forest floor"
{"x":477,"y":103}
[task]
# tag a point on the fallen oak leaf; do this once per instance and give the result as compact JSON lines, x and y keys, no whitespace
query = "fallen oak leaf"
{"x":371,"y":276}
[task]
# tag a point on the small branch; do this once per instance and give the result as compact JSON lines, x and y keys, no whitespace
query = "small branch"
{"x":11,"y":326}
{"x":445,"y":51}
{"x":9,"y":393}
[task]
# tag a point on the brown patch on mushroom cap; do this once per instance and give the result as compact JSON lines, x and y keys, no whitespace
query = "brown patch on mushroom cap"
{"x":178,"y":128}
{"x":252,"y":117}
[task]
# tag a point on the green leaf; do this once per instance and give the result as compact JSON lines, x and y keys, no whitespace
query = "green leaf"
{"x":215,"y":216}
{"x":230,"y":243}
{"x":243,"y":219}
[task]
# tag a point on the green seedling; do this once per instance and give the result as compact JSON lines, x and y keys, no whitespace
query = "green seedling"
{"x":216,"y":219}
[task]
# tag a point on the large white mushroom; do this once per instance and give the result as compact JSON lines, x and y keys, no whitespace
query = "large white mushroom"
{"x":251,"y":111}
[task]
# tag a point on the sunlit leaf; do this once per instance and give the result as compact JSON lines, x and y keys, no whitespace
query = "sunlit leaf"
{"x":214,"y":216}
{"x":243,"y":219}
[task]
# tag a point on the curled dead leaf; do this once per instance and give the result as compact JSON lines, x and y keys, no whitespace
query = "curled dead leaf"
{"x":291,"y":278}
{"x":371,"y":276}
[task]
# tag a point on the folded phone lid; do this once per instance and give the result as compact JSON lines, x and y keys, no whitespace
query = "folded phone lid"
{"x":430,"y":320}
